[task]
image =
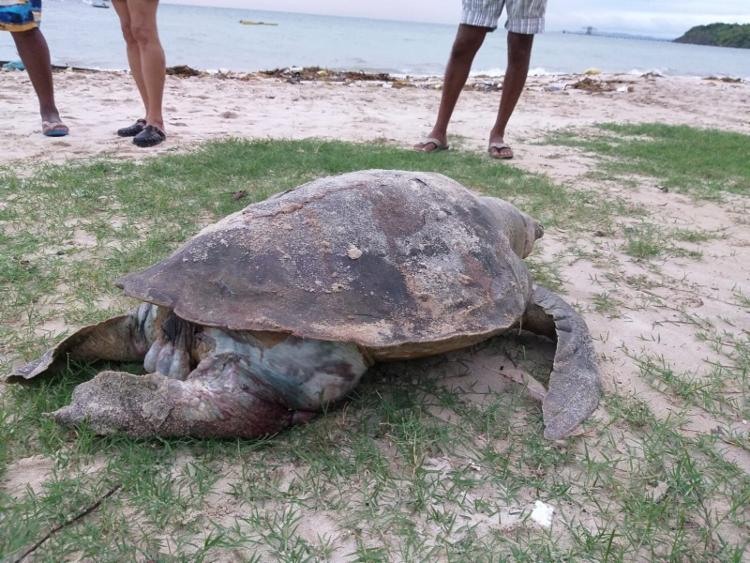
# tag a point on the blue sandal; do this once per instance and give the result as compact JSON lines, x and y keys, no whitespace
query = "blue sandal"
{"x":54,"y":129}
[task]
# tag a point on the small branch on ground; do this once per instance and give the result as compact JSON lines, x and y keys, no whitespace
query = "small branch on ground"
{"x":68,"y":522}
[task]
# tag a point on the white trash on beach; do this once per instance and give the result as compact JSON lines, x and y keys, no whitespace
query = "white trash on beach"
{"x":555,"y":87}
{"x":542,"y":513}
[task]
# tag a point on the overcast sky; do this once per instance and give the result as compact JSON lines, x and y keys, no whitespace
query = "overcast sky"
{"x":665,"y":17}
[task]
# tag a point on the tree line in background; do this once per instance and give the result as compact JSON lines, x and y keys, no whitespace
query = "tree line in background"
{"x":718,"y":34}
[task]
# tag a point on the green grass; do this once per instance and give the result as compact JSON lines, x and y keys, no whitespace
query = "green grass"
{"x":646,"y":241}
{"x":706,"y":163}
{"x":409,"y":468}
{"x":606,"y":304}
{"x":716,"y":391}
{"x":695,"y":235}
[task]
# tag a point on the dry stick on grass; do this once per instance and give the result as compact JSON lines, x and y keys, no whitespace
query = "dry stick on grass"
{"x":59,"y":527}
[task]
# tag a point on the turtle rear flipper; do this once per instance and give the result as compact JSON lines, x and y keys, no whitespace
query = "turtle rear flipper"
{"x":222,"y":398}
{"x":574,"y":385}
{"x":124,"y":338}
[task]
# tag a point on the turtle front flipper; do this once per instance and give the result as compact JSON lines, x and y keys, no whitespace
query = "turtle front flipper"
{"x":124,"y":338}
{"x":574,"y":385}
{"x":222,"y":398}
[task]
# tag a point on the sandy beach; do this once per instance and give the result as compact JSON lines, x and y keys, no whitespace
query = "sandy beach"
{"x":95,"y":104}
{"x":670,"y":307}
{"x":400,"y":112}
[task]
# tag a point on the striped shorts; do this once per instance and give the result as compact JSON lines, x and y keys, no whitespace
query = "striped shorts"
{"x":524,"y":16}
{"x":20,"y":15}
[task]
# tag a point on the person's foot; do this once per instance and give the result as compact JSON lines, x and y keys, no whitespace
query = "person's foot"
{"x":54,"y":129}
{"x":52,"y":125}
{"x":500,"y":150}
{"x":149,"y":137}
{"x":433,"y":143}
{"x":132,"y":130}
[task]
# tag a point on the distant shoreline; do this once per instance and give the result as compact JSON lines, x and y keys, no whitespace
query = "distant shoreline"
{"x":617,"y":35}
{"x":399,"y":48}
{"x":735,"y":36}
{"x":320,"y":74}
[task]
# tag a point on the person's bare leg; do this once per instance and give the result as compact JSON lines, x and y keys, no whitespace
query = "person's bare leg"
{"x":153,"y":64}
{"x":33,"y":50}
{"x":468,"y":40}
{"x":519,"y":55}
{"x":134,"y":53}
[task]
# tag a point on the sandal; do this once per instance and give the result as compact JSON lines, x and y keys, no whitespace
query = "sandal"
{"x":149,"y":137}
{"x":54,"y":129}
{"x":132,"y":130}
{"x":439,"y":145}
{"x":500,"y":151}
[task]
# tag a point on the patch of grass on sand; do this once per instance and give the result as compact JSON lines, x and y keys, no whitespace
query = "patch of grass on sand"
{"x":606,"y":304}
{"x":546,"y":273}
{"x":706,"y":163}
{"x":741,"y":299}
{"x":716,"y":391}
{"x":417,"y":465}
{"x":695,"y":235}
{"x":645,"y":241}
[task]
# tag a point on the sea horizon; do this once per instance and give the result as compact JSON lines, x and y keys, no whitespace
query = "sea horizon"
{"x":211,"y":39}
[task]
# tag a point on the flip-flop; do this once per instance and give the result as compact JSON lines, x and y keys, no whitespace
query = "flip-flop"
{"x":149,"y":137}
{"x":499,"y":147}
{"x":54,"y":129}
{"x":439,"y":145}
{"x":132,"y":130}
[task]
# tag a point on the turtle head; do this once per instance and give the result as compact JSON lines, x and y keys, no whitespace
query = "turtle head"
{"x":521,"y":230}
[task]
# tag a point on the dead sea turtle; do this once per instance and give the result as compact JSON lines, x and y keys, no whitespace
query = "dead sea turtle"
{"x":266,"y":317}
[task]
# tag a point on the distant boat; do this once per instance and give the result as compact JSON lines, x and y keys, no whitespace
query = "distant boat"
{"x":251,"y":22}
{"x":99,"y":4}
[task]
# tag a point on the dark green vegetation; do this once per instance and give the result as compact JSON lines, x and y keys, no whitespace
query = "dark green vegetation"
{"x":423,"y":463}
{"x":706,"y":163}
{"x":719,"y":35}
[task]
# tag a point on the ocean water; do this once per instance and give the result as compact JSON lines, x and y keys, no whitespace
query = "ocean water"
{"x":213,"y":38}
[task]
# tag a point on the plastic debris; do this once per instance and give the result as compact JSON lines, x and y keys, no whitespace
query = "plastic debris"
{"x":14,"y":65}
{"x":542,"y":513}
